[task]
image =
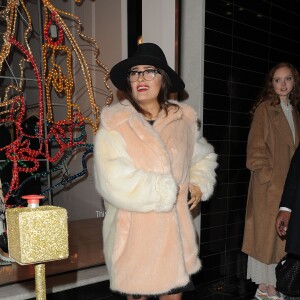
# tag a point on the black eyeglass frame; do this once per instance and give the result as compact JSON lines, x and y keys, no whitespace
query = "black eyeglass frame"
{"x":153,"y":71}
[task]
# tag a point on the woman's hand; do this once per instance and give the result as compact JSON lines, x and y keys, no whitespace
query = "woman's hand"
{"x":196,"y":195}
{"x":282,"y":222}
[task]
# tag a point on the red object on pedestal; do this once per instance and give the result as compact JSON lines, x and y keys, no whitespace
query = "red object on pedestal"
{"x":33,"y":200}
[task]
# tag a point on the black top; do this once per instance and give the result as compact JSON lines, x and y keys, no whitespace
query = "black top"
{"x":151,"y":122}
{"x":291,"y":199}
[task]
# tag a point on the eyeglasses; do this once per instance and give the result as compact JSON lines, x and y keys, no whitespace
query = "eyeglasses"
{"x":148,"y":75}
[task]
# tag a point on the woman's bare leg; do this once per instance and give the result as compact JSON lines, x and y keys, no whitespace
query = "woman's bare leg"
{"x":171,"y":297}
{"x":131,"y":298}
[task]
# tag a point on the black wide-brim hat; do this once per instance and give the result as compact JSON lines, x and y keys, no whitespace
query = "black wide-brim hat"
{"x":146,"y":54}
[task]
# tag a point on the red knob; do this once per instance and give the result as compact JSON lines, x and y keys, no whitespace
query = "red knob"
{"x":33,"y":199}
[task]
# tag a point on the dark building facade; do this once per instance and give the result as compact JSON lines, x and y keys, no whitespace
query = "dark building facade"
{"x":243,"y":40}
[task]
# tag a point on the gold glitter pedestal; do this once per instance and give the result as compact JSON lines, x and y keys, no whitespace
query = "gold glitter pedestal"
{"x":40,"y":281}
{"x":37,"y":235}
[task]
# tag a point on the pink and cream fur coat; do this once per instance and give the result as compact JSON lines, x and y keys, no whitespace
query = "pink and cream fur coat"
{"x":148,"y":233}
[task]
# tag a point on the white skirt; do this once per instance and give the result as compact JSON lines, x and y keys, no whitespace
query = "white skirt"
{"x":260,"y":273}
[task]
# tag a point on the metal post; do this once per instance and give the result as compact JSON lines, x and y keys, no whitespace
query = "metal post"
{"x":40,"y":282}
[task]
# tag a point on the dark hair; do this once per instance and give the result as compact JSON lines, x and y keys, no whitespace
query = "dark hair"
{"x":268,"y":92}
{"x":162,"y":96}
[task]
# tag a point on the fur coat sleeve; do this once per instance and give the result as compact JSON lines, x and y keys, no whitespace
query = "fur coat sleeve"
{"x":203,"y":165}
{"x":115,"y":175}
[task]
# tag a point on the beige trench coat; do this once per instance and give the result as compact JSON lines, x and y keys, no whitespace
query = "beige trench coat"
{"x":269,"y":152}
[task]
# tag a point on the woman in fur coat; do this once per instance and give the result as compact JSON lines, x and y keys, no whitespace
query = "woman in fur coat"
{"x":148,"y":156}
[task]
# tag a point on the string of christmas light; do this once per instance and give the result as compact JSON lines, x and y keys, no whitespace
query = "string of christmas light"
{"x":96,"y":54}
{"x":9,"y":14}
{"x":55,"y":78}
{"x":87,"y":148}
{"x":20,"y":155}
{"x":82,"y":61}
{"x":20,"y":151}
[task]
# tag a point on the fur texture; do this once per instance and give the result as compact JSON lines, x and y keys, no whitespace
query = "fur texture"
{"x":149,"y":239}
